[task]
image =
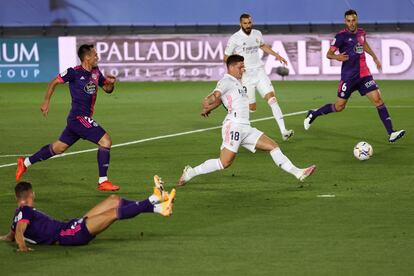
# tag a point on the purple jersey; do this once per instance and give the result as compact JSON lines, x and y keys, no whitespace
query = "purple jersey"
{"x":83,"y":86}
{"x":41,"y":229}
{"x":352,"y":44}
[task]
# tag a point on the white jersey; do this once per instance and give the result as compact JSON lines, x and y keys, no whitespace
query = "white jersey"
{"x":234,"y":98}
{"x":246,"y":46}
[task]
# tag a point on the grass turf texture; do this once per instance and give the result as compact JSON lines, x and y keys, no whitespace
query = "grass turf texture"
{"x":252,"y":219}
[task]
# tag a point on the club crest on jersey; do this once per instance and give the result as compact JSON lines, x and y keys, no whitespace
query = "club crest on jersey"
{"x":94,"y":76}
{"x":90,"y":88}
{"x":359,"y":49}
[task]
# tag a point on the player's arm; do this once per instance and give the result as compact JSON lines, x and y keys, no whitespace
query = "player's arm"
{"x":210,"y":103}
{"x":368,"y":49}
{"x":268,"y":50}
{"x":109,"y":84}
{"x":339,"y":57}
{"x":19,"y":237}
{"x":8,"y":237}
{"x":50,"y":90}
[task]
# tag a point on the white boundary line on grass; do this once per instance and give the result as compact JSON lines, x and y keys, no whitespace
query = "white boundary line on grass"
{"x":152,"y":138}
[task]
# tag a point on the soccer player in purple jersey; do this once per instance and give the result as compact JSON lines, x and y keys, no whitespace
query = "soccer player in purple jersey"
{"x":355,"y":75}
{"x":83,"y":85}
{"x":35,"y":227}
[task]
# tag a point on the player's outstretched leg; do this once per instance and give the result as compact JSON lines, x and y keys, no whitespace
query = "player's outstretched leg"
{"x":44,"y":153}
{"x":103,"y":158}
{"x":313,"y":114}
{"x":209,"y":166}
{"x":117,"y":208}
{"x":267,"y":144}
{"x":278,"y":115}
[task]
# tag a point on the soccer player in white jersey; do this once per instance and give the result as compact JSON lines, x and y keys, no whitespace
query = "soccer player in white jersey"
{"x":236,"y":130}
{"x":247,"y":42}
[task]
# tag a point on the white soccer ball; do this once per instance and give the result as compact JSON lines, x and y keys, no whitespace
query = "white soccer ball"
{"x":363,"y":151}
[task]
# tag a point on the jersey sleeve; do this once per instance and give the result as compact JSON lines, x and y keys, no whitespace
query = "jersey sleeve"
{"x":102,"y":80}
{"x":222,"y":87}
{"x":67,"y":75}
{"x":336,"y":42}
{"x":231,"y":46}
{"x":25,"y":214}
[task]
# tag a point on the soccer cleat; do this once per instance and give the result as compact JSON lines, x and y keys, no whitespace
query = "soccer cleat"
{"x":159,"y":192}
{"x":185,"y":176}
{"x":393,"y":136}
{"x":308,"y":120}
{"x":288,"y":134}
{"x":107,"y":186}
{"x":158,"y":182}
{"x":21,"y":168}
{"x":307,"y":172}
{"x":166,"y":208}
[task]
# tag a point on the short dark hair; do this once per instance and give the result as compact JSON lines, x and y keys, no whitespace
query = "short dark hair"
{"x":234,"y":59}
{"x":244,"y":15}
{"x":22,"y":188}
{"x":84,"y":50}
{"x":350,"y":12}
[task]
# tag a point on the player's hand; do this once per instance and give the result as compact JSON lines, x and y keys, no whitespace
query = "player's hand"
{"x":110,"y":78}
{"x":45,"y":108}
{"x":378,"y":63}
{"x":282,"y":60}
{"x":205,"y":113}
{"x":342,"y":57}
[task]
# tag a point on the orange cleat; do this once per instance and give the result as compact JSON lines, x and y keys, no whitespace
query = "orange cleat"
{"x":107,"y":186}
{"x":21,"y":168}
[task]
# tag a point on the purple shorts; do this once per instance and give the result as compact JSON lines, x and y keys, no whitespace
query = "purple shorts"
{"x":363,"y":85}
{"x":82,"y":127}
{"x":74,"y":232}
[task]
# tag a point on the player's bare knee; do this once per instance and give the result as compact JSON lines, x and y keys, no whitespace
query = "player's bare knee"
{"x":226,"y":163}
{"x":115,"y":198}
{"x":252,"y":107}
{"x":105,"y":141}
{"x":339,"y":107}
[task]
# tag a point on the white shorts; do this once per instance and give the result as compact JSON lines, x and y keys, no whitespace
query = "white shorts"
{"x":256,"y":79}
{"x":236,"y":135}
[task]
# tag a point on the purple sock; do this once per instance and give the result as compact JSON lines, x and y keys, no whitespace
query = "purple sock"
{"x":43,"y":154}
{"x":103,"y":161}
{"x":126,"y":211}
{"x":385,"y":118}
{"x":326,"y":109}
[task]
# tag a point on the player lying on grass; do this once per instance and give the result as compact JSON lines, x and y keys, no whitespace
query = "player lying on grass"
{"x":36,"y":227}
{"x":355,"y":75}
{"x":236,"y":130}
{"x":83,"y":82}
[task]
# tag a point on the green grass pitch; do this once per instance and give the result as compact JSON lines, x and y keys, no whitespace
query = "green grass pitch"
{"x":251,"y":219}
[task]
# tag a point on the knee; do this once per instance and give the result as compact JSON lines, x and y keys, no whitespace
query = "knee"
{"x":252,"y":107}
{"x":378,"y":102}
{"x":226,"y":163}
{"x":339,"y":107}
{"x":58,"y":148}
{"x":106,"y":141}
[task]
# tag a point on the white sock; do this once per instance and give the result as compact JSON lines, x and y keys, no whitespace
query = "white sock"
{"x":158,"y":208}
{"x":277,"y":113}
{"x":208,"y":166}
{"x":154,"y":199}
{"x":102,"y":179}
{"x":27,"y":162}
{"x":283,"y":162}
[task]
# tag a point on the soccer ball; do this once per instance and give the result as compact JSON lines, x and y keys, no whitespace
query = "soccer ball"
{"x":363,"y":151}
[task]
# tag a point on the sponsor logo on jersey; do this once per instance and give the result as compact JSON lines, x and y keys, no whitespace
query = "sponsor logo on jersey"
{"x":90,"y":88}
{"x":359,"y":49}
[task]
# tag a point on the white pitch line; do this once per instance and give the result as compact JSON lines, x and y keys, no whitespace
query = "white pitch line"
{"x":154,"y":138}
{"x":14,"y":155}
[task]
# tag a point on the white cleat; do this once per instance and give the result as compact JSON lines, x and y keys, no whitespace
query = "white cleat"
{"x":396,"y":135}
{"x":185,"y":177}
{"x":288,"y":134}
{"x":307,"y":172}
{"x":308,"y":120}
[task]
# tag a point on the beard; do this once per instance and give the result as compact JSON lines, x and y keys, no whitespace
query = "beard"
{"x":247,"y":30}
